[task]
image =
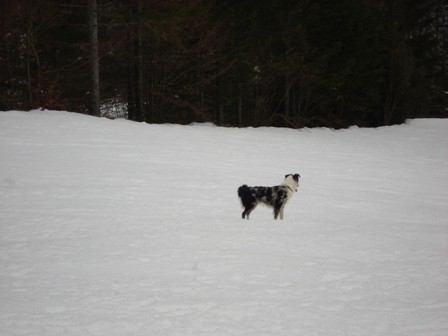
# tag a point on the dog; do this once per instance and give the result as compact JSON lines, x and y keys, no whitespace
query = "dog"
{"x":275,"y":197}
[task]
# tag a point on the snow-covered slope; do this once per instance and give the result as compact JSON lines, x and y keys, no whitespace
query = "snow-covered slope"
{"x":118,"y":228}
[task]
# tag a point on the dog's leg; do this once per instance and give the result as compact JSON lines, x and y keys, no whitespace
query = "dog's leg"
{"x":281,"y":212}
{"x":276,"y":212}
{"x":248,"y":210}
{"x":278,"y":208}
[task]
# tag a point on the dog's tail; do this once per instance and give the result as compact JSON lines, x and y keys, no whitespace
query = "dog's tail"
{"x":243,"y":194}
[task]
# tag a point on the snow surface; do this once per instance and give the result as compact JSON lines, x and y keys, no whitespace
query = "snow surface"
{"x":120,"y":228}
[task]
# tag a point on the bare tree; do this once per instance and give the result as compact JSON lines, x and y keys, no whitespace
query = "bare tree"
{"x":94,"y":58}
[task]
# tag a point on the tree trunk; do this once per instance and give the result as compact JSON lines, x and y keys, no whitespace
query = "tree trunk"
{"x":94,"y":58}
{"x":240,"y":105}
{"x":221,"y":114}
{"x":139,"y":66}
{"x":287,"y":96}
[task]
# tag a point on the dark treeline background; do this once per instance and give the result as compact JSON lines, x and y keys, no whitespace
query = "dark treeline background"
{"x":290,"y":63}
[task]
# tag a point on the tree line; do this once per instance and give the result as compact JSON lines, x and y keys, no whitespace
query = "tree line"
{"x":291,"y":63}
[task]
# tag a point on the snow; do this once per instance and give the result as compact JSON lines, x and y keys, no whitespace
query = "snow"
{"x":121,"y":228}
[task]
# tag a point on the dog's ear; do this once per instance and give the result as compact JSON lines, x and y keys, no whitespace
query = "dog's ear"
{"x":286,"y":176}
{"x":296,"y":177}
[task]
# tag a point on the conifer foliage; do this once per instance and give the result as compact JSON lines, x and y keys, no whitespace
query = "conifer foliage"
{"x":292,"y":63}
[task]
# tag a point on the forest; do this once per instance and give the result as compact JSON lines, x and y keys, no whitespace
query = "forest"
{"x":291,"y":63}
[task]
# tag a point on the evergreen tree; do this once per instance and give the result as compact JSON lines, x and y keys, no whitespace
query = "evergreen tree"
{"x":293,"y":63}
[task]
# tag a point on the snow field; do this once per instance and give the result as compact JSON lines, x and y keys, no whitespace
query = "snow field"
{"x":118,"y":228}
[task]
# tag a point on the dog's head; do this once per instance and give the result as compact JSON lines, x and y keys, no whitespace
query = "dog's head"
{"x":292,"y":180}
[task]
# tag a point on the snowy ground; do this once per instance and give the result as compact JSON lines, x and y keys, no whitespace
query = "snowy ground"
{"x":118,"y":228}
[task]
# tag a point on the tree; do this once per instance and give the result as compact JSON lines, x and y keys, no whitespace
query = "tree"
{"x":247,"y":63}
{"x":94,"y":58}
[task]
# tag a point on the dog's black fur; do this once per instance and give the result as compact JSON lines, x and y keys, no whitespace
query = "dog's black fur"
{"x":275,"y":197}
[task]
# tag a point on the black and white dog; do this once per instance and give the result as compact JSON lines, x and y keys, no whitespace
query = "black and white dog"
{"x":275,"y":197}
